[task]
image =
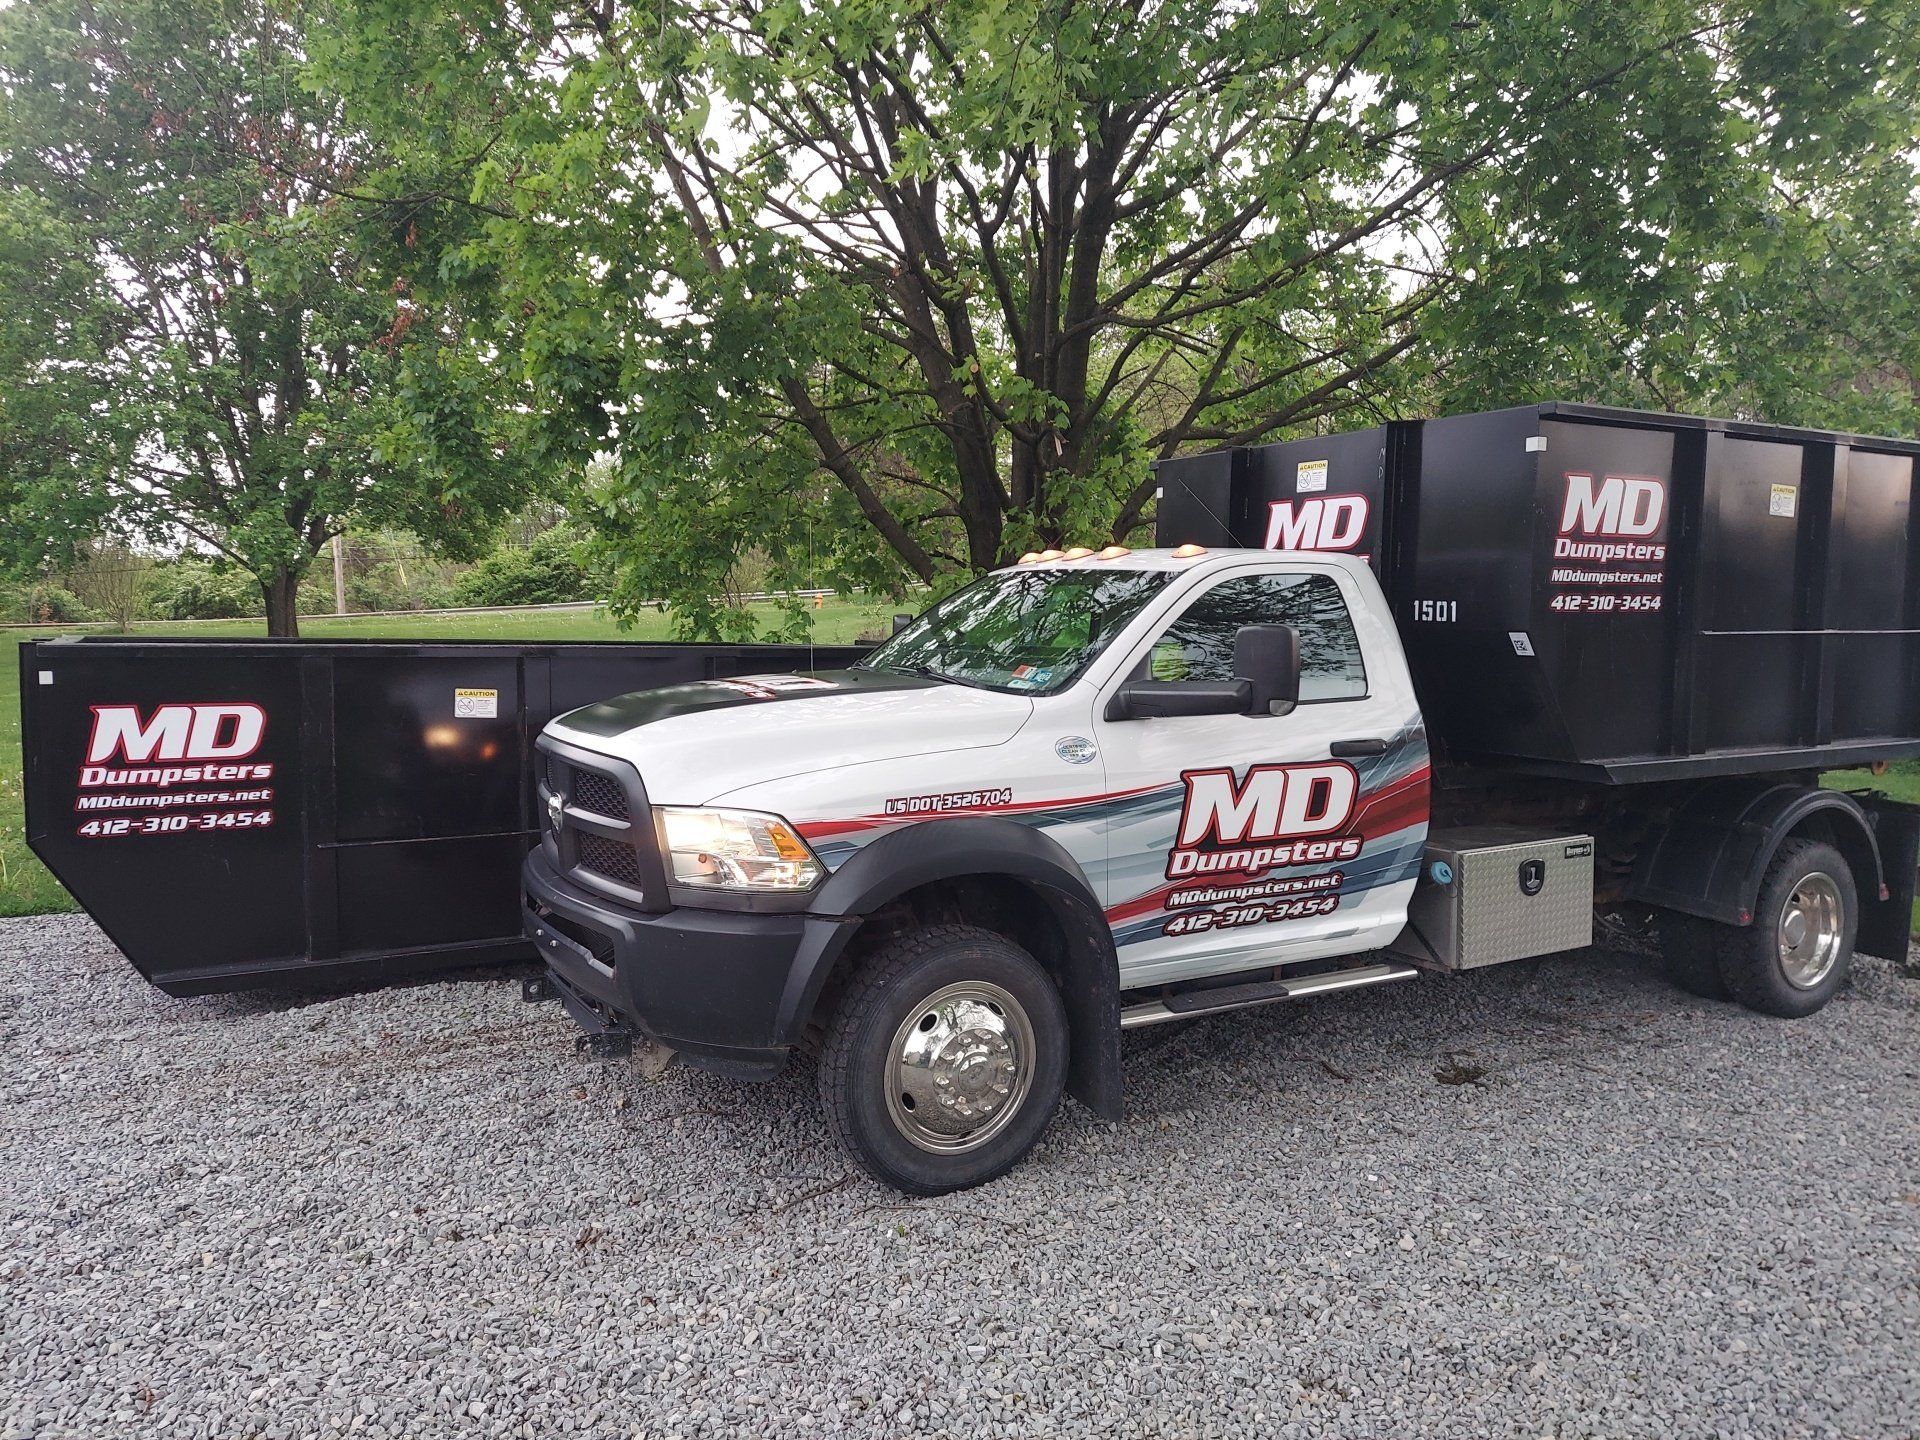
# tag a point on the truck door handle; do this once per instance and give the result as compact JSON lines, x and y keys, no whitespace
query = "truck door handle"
{"x":1356,"y":749}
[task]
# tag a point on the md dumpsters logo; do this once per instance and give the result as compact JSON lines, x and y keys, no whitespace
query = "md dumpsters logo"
{"x":1325,"y":522}
{"x":1278,"y":815}
{"x":229,"y":732}
{"x":1629,"y":508}
{"x":1610,"y":555}
{"x":177,"y":768}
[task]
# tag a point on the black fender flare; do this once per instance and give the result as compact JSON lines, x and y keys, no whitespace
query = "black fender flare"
{"x":1087,"y":969}
{"x":1708,"y":858}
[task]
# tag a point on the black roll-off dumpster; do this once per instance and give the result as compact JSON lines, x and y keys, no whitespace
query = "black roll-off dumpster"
{"x":1609,"y":594}
{"x":235,"y":813}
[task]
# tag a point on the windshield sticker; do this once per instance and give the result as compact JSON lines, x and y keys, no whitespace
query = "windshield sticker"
{"x":1030,"y":676}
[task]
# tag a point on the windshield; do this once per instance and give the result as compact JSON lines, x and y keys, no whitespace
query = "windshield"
{"x":1030,"y":632}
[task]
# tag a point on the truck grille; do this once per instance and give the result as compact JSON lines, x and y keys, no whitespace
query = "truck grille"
{"x":607,"y":857}
{"x":598,"y":793}
{"x":589,"y":789}
{"x":593,"y":857}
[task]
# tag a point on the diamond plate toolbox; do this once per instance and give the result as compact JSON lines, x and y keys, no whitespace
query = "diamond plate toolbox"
{"x":1493,"y":893}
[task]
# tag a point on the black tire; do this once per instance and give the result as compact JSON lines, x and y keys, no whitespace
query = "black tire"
{"x":1690,"y":954}
{"x":873,"y":1014}
{"x":1755,"y":958}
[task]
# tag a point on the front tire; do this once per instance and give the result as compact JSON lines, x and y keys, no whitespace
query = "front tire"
{"x":1795,"y":956}
{"x":944,"y":1060}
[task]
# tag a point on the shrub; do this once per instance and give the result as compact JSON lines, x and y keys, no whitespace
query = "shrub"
{"x":45,"y":603}
{"x":198,"y":590}
{"x":547,"y":572}
{"x":385,"y":570}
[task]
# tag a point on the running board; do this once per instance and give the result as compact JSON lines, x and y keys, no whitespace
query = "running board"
{"x":1260,"y":992}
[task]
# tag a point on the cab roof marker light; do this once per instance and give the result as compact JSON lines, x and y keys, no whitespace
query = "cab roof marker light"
{"x":1030,"y":558}
{"x":1078,"y":552}
{"x":1189,"y":552}
{"x":1113,"y":552}
{"x":1049,"y":554}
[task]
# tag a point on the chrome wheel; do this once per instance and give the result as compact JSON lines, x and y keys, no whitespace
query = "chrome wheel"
{"x":960,"y":1066}
{"x":1810,"y":930}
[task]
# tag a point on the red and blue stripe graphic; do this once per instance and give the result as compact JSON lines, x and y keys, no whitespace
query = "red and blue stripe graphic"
{"x":1131,"y":833}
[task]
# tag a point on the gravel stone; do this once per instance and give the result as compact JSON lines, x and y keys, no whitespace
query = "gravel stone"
{"x":1556,"y":1198}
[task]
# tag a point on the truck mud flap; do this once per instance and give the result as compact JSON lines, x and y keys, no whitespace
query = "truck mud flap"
{"x":243,"y":814}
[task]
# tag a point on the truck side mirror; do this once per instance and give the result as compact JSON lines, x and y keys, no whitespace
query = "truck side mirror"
{"x":1266,"y":681}
{"x":1172,"y":699}
{"x":1267,"y":658}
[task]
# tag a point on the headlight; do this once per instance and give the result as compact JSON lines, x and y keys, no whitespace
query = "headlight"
{"x":735,"y":850}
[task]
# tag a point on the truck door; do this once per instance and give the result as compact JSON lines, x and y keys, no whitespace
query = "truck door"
{"x":1248,"y":840}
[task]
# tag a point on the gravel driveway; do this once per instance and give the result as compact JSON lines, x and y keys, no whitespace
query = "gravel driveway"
{"x":1551,"y":1199}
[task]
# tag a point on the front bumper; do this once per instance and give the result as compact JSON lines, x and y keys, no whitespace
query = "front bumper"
{"x":728,"y":990}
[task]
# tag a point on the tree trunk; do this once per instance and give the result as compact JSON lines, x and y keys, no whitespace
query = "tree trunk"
{"x":281,"y":589}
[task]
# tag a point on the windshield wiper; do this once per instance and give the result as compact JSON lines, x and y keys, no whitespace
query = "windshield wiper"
{"x":927,"y":672}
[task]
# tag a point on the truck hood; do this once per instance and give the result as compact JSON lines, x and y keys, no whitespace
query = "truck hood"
{"x":693,"y":742}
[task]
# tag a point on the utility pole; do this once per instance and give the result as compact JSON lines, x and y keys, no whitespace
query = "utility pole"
{"x":339,"y":575}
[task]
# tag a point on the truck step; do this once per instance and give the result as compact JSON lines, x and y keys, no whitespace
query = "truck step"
{"x":1259,"y":992}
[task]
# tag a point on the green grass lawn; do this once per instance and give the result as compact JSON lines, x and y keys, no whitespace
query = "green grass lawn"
{"x":26,"y":888}
{"x":1901,"y":782}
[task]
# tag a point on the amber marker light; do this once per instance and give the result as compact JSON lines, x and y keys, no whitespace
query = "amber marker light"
{"x":1079,"y":552}
{"x":1114,"y":552}
{"x":1032,"y":557}
{"x":1049,"y":554}
{"x":1188,"y":552}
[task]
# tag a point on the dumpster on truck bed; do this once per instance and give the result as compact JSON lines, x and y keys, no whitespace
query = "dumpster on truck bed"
{"x":1611,"y":594}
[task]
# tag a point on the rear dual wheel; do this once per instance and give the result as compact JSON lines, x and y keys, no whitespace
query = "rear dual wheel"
{"x":1795,"y":955}
{"x":944,"y":1059}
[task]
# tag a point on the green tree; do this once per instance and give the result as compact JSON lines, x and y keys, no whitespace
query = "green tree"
{"x":888,"y":289}
{"x":112,"y":579}
{"x":201,"y":341}
{"x":187,"y":588}
{"x":1789,"y":289}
